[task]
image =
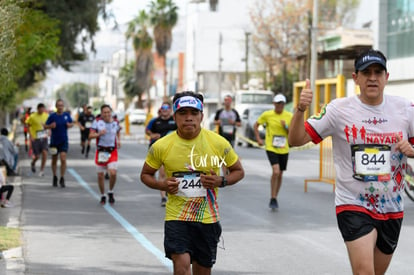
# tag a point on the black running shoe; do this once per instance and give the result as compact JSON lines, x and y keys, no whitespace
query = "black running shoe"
{"x":33,"y":167}
{"x":55,"y":180}
{"x":163,"y":201}
{"x":111,"y":198}
{"x":103,"y":200}
{"x":62,"y":182}
{"x":273,"y":204}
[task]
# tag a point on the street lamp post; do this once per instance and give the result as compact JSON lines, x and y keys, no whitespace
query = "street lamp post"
{"x":314,"y":53}
{"x":246,"y":59}
{"x":219,"y":70}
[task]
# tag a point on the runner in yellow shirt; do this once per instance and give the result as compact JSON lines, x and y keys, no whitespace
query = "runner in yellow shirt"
{"x":192,"y":158}
{"x":38,"y":137}
{"x":277,"y":148}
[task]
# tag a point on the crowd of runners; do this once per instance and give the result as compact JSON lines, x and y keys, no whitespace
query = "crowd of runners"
{"x":366,"y":161}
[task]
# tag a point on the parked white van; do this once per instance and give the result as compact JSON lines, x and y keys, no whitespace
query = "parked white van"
{"x":250,"y":104}
{"x":243,"y":99}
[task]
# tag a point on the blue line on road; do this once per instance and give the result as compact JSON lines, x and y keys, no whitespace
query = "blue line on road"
{"x":128,"y":227}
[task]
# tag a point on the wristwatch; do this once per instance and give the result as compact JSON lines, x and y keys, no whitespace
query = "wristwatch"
{"x":223,"y":182}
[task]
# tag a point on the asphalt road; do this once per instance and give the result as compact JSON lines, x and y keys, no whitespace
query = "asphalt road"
{"x":66,"y":231}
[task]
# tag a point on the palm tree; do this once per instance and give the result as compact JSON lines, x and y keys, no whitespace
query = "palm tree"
{"x":142,"y":43}
{"x":163,"y":16}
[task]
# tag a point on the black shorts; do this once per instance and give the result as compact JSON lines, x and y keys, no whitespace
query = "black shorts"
{"x":39,"y":145}
{"x":281,"y":159}
{"x":85,"y":135}
{"x":63,"y":147}
{"x":198,"y":239}
{"x":230,"y":139}
{"x":354,"y":225}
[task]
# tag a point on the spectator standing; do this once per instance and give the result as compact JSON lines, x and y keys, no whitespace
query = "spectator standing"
{"x":59,"y":122}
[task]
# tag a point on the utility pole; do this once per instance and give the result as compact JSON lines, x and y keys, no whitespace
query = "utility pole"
{"x":219,"y":70}
{"x":246,"y":59}
{"x":314,"y":54}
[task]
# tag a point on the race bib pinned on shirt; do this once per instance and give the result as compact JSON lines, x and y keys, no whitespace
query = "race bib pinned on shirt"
{"x":88,"y":124}
{"x":103,"y":157}
{"x":53,"y":151}
{"x":190,"y":184}
{"x":371,"y":162}
{"x":279,"y":141}
{"x":228,"y":129}
{"x":41,"y":134}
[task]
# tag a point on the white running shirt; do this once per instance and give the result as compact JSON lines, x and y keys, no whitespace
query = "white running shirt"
{"x":369,"y":172}
{"x":112,"y":128}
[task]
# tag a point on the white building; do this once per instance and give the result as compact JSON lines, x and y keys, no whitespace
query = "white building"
{"x":394,"y":36}
{"x":204,"y":47}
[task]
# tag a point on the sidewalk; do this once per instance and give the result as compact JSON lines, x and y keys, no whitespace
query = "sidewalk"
{"x":11,"y":261}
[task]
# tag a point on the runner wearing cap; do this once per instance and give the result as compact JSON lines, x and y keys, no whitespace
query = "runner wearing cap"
{"x":277,"y":148}
{"x":192,"y":158}
{"x":372,"y":136}
{"x":156,"y":129}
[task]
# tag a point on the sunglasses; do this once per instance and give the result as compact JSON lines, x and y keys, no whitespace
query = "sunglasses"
{"x":165,"y":107}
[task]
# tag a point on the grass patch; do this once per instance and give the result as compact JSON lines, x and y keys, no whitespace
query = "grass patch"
{"x":9,"y":238}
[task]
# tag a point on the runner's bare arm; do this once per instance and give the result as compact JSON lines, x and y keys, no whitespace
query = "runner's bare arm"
{"x":297,"y":133}
{"x":404,"y":147}
{"x":236,"y":173}
{"x":169,"y":185}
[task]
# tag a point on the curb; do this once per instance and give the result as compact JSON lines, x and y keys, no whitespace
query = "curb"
{"x":14,"y":261}
{"x":13,"y":258}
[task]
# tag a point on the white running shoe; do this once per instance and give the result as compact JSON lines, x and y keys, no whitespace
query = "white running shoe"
{"x":41,"y":174}
{"x":7,"y":204}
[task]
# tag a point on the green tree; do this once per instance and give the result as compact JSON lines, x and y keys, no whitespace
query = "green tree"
{"x":137,"y":77}
{"x":280,"y":36}
{"x":10,"y":18}
{"x":281,"y":32}
{"x":75,"y":94}
{"x":37,"y":41}
{"x":127,"y":76}
{"x":33,"y":32}
{"x":78,"y":22}
{"x":163,"y":16}
{"x":28,"y":39}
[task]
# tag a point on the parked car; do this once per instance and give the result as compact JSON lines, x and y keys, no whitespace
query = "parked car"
{"x":119,"y":115}
{"x":137,"y":116}
{"x":248,"y":119}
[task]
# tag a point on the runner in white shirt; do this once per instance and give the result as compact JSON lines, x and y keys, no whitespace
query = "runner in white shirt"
{"x":106,"y":130}
{"x":372,"y":135}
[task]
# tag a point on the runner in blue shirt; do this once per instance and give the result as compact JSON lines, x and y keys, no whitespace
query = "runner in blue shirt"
{"x":59,"y":122}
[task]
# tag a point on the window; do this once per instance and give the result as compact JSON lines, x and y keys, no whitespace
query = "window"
{"x":400,"y":31}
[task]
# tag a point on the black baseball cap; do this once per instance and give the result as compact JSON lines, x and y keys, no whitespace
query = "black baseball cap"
{"x":368,"y":58}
